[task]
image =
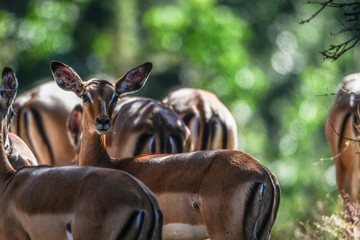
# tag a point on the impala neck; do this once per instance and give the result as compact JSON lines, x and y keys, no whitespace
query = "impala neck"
{"x":6,"y":170}
{"x":92,"y":149}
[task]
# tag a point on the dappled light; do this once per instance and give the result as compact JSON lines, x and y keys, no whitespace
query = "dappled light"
{"x":242,"y":112}
{"x":307,"y":111}
{"x":287,"y":59}
{"x":286,"y":42}
{"x":7,"y":24}
{"x":282,"y":62}
{"x":288,"y":145}
{"x":253,"y":55}
{"x":330,"y":176}
{"x":286,"y":172}
{"x":245,"y":78}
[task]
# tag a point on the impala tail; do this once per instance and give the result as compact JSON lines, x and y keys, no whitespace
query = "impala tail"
{"x":150,"y":229}
{"x":134,"y":226}
{"x":156,"y":234}
{"x":261,"y":208}
{"x":137,"y":228}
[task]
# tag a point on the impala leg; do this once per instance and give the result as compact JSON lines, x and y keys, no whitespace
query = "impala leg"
{"x":16,"y":232}
{"x":222,"y":220}
{"x":347,"y":188}
{"x":355,"y":185}
{"x":110,"y":224}
{"x":354,"y":195}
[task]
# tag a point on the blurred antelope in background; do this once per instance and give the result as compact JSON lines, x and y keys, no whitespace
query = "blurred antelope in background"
{"x":139,"y":126}
{"x":41,"y":116}
{"x":211,"y":124}
{"x":221,"y":194}
{"x":45,"y":203}
{"x":342,"y":132}
{"x":49,"y":120}
{"x":145,"y":126}
{"x":17,"y":152}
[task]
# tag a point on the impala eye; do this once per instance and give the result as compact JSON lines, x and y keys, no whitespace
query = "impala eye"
{"x":85,"y":98}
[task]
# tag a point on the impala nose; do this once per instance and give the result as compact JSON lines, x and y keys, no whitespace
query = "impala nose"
{"x":103,"y":123}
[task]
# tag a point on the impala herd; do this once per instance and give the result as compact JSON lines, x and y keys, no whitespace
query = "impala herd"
{"x":69,"y":202}
{"x":146,"y":169}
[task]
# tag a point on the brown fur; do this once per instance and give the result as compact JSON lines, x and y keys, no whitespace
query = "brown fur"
{"x":134,"y":116}
{"x":211,"y":124}
{"x":229,"y":192}
{"x":40,"y":120}
{"x":342,"y":127}
{"x":18,"y":152}
{"x":45,"y":202}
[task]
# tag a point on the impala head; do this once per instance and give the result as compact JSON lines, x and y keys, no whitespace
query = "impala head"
{"x":348,"y":93}
{"x":9,"y":86}
{"x":99,"y":95}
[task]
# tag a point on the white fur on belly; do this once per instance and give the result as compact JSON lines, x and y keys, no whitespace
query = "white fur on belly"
{"x":180,"y":231}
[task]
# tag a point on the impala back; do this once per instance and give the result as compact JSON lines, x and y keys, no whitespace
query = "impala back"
{"x":211,"y":124}
{"x":40,"y":120}
{"x":145,"y":126}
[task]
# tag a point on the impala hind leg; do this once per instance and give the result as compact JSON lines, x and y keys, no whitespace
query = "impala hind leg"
{"x":347,"y":183}
{"x":222,"y":220}
{"x":247,"y":212}
{"x":118,"y":224}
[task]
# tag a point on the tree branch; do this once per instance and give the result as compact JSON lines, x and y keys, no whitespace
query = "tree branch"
{"x":323,"y":4}
{"x":339,"y":135}
{"x":335,"y":51}
{"x":352,"y":20}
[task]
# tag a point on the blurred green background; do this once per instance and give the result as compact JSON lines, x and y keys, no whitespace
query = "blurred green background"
{"x":254,"y":55}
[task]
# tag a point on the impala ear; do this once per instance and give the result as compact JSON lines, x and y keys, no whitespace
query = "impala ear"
{"x":66,"y":78}
{"x":9,"y":85}
{"x":134,"y":80}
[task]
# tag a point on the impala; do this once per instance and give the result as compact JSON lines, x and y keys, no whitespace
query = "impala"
{"x":342,"y":132}
{"x":139,"y":126}
{"x":145,"y":126}
{"x":40,"y":120}
{"x":47,"y":118}
{"x":221,"y":194}
{"x":17,"y":151}
{"x":74,"y":202}
{"x":211,"y":124}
